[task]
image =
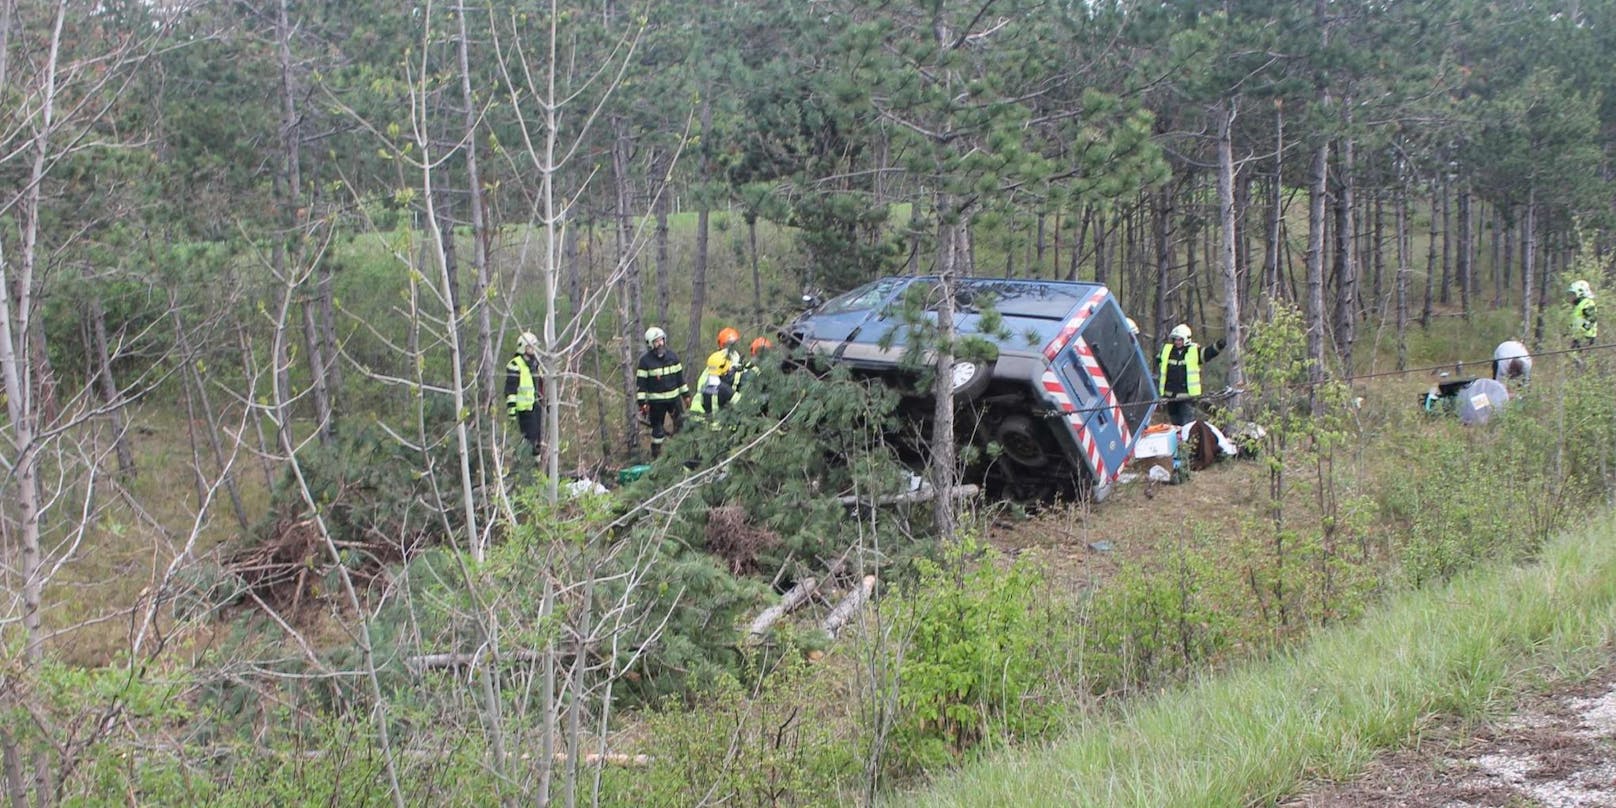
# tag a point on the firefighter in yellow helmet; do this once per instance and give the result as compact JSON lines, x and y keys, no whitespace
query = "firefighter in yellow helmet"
{"x":524,"y":390}
{"x":1179,"y":371}
{"x":715,"y":388}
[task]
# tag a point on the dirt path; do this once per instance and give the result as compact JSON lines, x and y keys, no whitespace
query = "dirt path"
{"x":1558,"y":750}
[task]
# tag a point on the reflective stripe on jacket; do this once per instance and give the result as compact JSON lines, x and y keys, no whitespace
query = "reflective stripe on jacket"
{"x":1187,"y":361}
{"x":524,"y":395}
{"x":659,"y":378}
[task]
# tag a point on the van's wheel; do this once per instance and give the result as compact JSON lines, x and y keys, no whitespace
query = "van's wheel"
{"x":1017,"y":435}
{"x":970,"y":379}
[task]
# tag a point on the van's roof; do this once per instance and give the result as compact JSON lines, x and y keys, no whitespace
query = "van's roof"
{"x":1033,"y":311}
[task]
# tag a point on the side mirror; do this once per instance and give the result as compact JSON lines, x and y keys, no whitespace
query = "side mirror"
{"x":811,"y":300}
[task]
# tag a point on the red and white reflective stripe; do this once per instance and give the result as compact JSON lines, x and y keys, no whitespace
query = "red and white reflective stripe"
{"x":1085,"y":354}
{"x":1076,"y":321}
{"x":1074,"y":420}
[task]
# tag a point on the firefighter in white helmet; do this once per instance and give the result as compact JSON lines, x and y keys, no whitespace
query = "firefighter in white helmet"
{"x":1584,"y":325}
{"x":1179,"y":371}
{"x":660,"y":388}
{"x":524,"y":391}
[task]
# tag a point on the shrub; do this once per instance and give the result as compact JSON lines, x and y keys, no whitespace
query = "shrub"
{"x":975,"y":666}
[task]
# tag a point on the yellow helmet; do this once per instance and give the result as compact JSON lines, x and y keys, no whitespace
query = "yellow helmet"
{"x":718,"y":363}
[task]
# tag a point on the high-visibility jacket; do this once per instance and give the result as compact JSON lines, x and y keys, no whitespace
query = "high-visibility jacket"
{"x":1583,"y":323}
{"x":1180,"y":369}
{"x":521,"y":392}
{"x":714,"y":391}
{"x":659,"y":378}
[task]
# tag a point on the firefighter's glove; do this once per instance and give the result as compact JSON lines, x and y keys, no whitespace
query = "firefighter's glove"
{"x":645,"y":410}
{"x":1220,"y":345}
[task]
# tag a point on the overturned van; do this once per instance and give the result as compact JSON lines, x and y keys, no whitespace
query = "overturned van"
{"x":1058,"y":409}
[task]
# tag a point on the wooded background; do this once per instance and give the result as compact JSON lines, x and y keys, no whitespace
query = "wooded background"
{"x":269,"y":227}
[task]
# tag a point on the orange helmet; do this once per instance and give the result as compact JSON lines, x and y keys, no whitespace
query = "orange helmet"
{"x":760,"y":344}
{"x":727,"y":337}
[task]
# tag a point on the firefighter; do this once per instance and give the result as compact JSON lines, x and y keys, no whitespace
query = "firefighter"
{"x":749,"y":367}
{"x":660,"y":388}
{"x":1179,"y":370}
{"x":1584,"y":325}
{"x":523,"y":393}
{"x":715,"y":388}
{"x":728,"y":338}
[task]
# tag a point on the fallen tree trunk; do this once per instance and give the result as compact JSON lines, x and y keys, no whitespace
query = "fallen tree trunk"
{"x":910,"y":497}
{"x":792,"y":600}
{"x":849,"y":607}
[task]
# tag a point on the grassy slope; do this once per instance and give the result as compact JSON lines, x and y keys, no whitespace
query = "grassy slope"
{"x":1252,"y":735}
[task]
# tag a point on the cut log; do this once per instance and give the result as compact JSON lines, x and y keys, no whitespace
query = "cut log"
{"x":849,"y":607}
{"x":910,"y":497}
{"x":793,"y":599}
{"x":608,"y":759}
{"x":424,"y":662}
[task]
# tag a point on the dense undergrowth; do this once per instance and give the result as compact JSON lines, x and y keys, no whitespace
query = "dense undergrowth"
{"x":611,"y":626}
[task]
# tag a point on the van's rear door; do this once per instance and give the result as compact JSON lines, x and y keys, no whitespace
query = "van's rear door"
{"x":1108,"y":378}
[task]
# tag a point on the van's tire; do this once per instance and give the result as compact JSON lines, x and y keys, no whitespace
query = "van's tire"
{"x":971,"y":379}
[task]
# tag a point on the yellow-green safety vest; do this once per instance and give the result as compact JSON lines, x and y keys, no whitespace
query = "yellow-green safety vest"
{"x":1192,"y":368}
{"x":1582,"y":325}
{"x":523,"y":399}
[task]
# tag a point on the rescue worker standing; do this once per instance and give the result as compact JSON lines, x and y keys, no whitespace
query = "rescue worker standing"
{"x":660,"y":388}
{"x":1584,"y":325}
{"x":1179,"y":369}
{"x":522,"y":391}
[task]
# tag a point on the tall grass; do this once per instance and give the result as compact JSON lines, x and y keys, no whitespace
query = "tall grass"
{"x":1254,"y":734}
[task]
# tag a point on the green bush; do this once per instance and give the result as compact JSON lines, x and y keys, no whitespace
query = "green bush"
{"x":786,"y":739}
{"x":976,"y":666}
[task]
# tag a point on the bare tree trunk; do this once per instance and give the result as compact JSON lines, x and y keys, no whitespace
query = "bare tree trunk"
{"x":1528,"y":253}
{"x":1162,"y":231}
{"x":1315,"y":313}
{"x":1346,"y":261}
{"x":1465,"y":270}
{"x":1401,"y":282}
{"x":698,"y":274}
{"x":1507,"y":265}
{"x":628,"y":287}
{"x":662,"y":260}
{"x":1430,"y":262}
{"x":1500,"y":286}
{"x":1272,"y":282}
{"x":1226,"y":218}
{"x":295,"y":217}
{"x":757,"y":271}
{"x":481,"y":232}
{"x":109,"y":387}
{"x":1102,"y":250}
{"x":1377,"y":255}
{"x":950,"y":238}
{"x":1447,"y":240}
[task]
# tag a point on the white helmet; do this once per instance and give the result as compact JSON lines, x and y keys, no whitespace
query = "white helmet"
{"x":1180,"y":331}
{"x":653,"y":334}
{"x":1133,"y":327}
{"x":527,"y":342}
{"x":1580,"y":289}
